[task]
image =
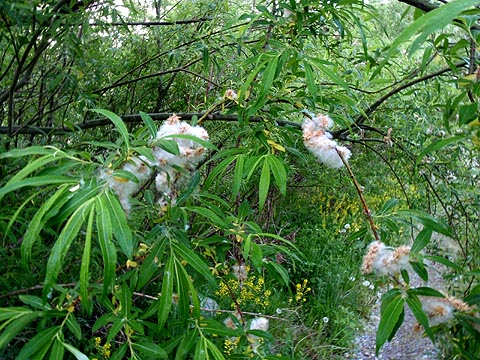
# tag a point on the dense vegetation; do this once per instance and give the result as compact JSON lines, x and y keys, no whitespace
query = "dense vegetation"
{"x":201,"y":179}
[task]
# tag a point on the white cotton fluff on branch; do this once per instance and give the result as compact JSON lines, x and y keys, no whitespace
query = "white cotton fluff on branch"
{"x":172,"y":170}
{"x":140,"y":167}
{"x":319,"y":141}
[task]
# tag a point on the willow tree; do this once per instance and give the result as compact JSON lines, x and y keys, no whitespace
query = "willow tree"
{"x":145,"y":149}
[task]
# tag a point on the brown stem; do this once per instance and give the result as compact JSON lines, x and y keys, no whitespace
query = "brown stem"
{"x":36,"y":287}
{"x":153,"y":23}
{"x":366,"y":210}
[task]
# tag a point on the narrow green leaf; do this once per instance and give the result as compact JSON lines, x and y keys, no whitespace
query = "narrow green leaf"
{"x":209,"y":214}
{"x":425,"y":291}
{"x":124,"y":174}
{"x":147,"y":119}
{"x":278,"y":272}
{"x":200,"y":350}
{"x":34,"y":301}
{"x":244,"y":90}
{"x":389,"y":316}
{"x":310,"y":79}
{"x":74,"y":201}
{"x":170,"y":146}
{"x":165,"y":302}
{"x":261,"y":333}
{"x":328,"y":73}
{"x":105,"y":234}
{"x":119,"y":124}
{"x":12,"y":312}
{"x":150,"y":349}
{"x":389,"y":205}
{"x":218,"y":171}
{"x":427,"y":24}
{"x":419,"y":268}
{"x":443,"y":261}
{"x":32,"y":166}
{"x":144,"y":151}
{"x":121,"y":230}
{"x":151,"y":263}
{"x":190,"y":189}
{"x":427,"y":220}
{"x":32,"y":150}
{"x":74,"y":326}
{"x":85,"y":265}
{"x":217,"y":354}
{"x":438,"y":145}
{"x":43,"y":339}
{"x":61,"y":246}
{"x":256,"y":255}
{"x":206,"y":144}
{"x":263,"y":185}
{"x":187,"y":341}
{"x":268,"y":77}
{"x":14,"y":217}
{"x":238,"y":175}
{"x":279,"y":173}
{"x":421,"y":240}
{"x":57,"y":351}
{"x":194,"y":260}
{"x":214,"y":327}
{"x":116,"y":326}
{"x":184,"y":296}
{"x":437,"y":19}
{"x":119,"y":354}
{"x":36,"y":181}
{"x":75,"y":352}
{"x":415,"y":306}
{"x":16,"y":326}
{"x":251,"y":165}
{"x":38,"y":221}
{"x":247,"y":243}
{"x":125,"y":300}
{"x":467,"y":113}
{"x":104,"y":321}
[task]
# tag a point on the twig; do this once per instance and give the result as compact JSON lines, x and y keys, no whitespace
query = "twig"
{"x":131,"y":118}
{"x":366,"y":210}
{"x":36,"y":287}
{"x":155,"y":298}
{"x":153,"y":23}
{"x":372,"y":108}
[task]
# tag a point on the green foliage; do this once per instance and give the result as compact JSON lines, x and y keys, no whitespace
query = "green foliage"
{"x":102,"y":262}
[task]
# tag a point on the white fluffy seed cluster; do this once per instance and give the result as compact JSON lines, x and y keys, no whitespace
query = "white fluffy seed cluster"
{"x":172,"y":171}
{"x":320,"y":143}
{"x":385,"y":260}
{"x":441,"y":310}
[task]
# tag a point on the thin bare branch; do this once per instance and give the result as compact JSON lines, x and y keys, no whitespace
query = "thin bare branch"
{"x":153,"y":23}
{"x":131,"y":118}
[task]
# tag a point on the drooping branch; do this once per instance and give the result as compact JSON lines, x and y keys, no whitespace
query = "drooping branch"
{"x":427,"y":6}
{"x":131,"y":118}
{"x":420,"y":4}
{"x":153,"y":23}
{"x":372,"y":108}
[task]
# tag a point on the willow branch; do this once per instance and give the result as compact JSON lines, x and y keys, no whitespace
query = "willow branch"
{"x":366,"y":210}
{"x":131,"y":118}
{"x":153,"y":23}
{"x":372,"y":108}
{"x":427,"y":6}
